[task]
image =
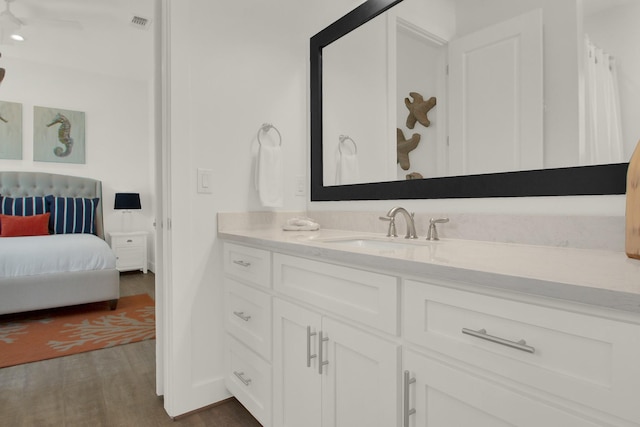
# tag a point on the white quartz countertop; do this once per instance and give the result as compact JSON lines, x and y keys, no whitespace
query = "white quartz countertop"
{"x":596,"y":277}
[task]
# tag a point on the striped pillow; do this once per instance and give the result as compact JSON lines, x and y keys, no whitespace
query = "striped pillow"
{"x":72,"y":215}
{"x":23,"y":206}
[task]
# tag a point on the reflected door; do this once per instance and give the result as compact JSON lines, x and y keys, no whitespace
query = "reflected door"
{"x":496,"y":104}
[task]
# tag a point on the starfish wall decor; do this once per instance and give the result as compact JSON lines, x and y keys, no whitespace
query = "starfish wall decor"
{"x":404,"y":146}
{"x":418,"y":109}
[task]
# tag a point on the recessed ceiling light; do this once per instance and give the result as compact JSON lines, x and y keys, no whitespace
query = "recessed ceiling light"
{"x":17,"y":37}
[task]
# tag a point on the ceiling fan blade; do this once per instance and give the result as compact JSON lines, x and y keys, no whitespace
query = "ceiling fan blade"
{"x":53,"y":23}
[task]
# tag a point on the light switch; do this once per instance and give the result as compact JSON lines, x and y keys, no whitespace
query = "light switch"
{"x":204,"y":180}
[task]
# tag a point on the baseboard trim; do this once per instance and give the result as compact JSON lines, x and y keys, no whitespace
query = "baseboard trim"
{"x":204,"y":408}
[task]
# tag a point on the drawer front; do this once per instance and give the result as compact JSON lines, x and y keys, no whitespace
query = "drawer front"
{"x":590,"y":360}
{"x":443,"y":396}
{"x":130,"y":258}
{"x":248,"y":316}
{"x":128,"y":241}
{"x":363,"y":296}
{"x":248,"y":378}
{"x":249,"y":264}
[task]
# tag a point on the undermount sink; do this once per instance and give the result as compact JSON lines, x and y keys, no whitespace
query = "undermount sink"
{"x":377,"y":243}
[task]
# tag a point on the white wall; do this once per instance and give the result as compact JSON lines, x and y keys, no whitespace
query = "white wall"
{"x":232,"y":67}
{"x":118,"y":140}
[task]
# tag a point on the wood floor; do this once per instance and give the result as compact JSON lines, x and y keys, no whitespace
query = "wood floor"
{"x":109,"y":387}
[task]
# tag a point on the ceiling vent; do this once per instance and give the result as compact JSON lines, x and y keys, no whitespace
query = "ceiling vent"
{"x":140,"y":22}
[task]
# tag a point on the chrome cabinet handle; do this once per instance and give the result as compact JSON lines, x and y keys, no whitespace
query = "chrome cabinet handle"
{"x":241,"y":315}
{"x":309,"y":355}
{"x":407,"y":412}
{"x":321,"y":362}
{"x":482,"y":334}
{"x":241,"y":263}
{"x":240,"y":375}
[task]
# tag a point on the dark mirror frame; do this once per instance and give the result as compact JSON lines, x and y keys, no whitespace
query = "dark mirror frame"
{"x":570,"y":181}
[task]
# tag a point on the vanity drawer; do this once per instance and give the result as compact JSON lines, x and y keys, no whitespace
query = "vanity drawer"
{"x":249,"y":264}
{"x":248,"y":316}
{"x":363,"y":296}
{"x":587,"y":359}
{"x":248,"y":378}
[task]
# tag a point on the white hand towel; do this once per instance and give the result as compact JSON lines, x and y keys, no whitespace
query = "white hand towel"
{"x":348,"y":171}
{"x":269,"y":176}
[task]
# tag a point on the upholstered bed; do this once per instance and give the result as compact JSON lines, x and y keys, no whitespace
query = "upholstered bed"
{"x":60,"y":282}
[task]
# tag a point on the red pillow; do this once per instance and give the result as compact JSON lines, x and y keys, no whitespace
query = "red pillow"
{"x":14,"y":226}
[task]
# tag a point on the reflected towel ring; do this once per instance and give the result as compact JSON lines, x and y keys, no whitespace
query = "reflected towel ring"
{"x":266,"y":127}
{"x":343,"y":139}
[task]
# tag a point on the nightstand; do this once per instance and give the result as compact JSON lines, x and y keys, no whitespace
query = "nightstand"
{"x":130,"y":249}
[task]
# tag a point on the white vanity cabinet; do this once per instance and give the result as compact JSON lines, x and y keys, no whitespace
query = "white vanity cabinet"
{"x":348,"y":373}
{"x":357,"y":346}
{"x":327,"y":373}
{"x":247,"y":318}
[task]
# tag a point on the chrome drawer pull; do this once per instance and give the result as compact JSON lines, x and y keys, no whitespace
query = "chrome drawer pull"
{"x":241,"y":263}
{"x":407,"y":412}
{"x":321,"y":362}
{"x":241,"y":315}
{"x":246,"y":381}
{"x":482,"y":334}
{"x":309,"y":355}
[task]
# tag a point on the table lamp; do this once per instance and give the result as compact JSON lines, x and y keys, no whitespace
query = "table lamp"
{"x":127,"y":202}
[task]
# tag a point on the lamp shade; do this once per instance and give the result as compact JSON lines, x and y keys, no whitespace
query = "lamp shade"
{"x":127,"y":201}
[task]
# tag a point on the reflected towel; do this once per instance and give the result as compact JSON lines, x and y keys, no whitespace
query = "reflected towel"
{"x":269,"y":176}
{"x":348,"y":171}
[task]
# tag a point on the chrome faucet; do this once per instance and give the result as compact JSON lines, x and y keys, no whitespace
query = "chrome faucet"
{"x":391,"y":216}
{"x":432,"y":234}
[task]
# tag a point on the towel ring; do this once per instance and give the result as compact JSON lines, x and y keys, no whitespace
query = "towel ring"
{"x":266,"y":127}
{"x":343,"y":139}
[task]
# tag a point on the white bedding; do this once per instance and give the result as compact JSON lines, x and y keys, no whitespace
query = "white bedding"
{"x":34,"y":255}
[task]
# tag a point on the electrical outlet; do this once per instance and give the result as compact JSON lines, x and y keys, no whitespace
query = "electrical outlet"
{"x":301,"y":183}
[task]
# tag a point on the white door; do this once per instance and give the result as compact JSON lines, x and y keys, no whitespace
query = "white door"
{"x":496,"y":98}
{"x":359,"y":381}
{"x":296,"y":383}
{"x":443,"y":396}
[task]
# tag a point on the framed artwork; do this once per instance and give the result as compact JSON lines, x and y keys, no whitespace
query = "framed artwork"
{"x":10,"y":130}
{"x":58,"y":135}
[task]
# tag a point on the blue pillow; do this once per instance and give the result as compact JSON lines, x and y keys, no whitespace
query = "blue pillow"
{"x":23,"y":206}
{"x":72,"y":215}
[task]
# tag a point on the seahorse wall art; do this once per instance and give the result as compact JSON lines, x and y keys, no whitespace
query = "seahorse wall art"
{"x":64,"y":135}
{"x":58,"y":135}
{"x":10,"y":130}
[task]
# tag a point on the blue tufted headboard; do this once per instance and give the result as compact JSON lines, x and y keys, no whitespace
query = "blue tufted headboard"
{"x":21,"y":184}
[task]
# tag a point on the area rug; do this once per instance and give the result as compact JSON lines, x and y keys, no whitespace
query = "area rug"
{"x":54,"y":333}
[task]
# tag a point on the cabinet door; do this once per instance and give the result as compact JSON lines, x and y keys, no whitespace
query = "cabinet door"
{"x":359,"y":382}
{"x":444,"y":396}
{"x":296,"y":386}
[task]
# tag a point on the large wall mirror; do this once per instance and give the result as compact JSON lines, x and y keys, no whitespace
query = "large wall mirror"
{"x":415,"y":99}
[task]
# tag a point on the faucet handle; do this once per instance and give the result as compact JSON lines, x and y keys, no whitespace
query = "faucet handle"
{"x":438,"y":220}
{"x":392,"y":225}
{"x":432,"y":233}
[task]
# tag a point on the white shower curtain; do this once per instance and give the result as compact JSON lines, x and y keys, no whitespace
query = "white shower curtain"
{"x":603,"y":134}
